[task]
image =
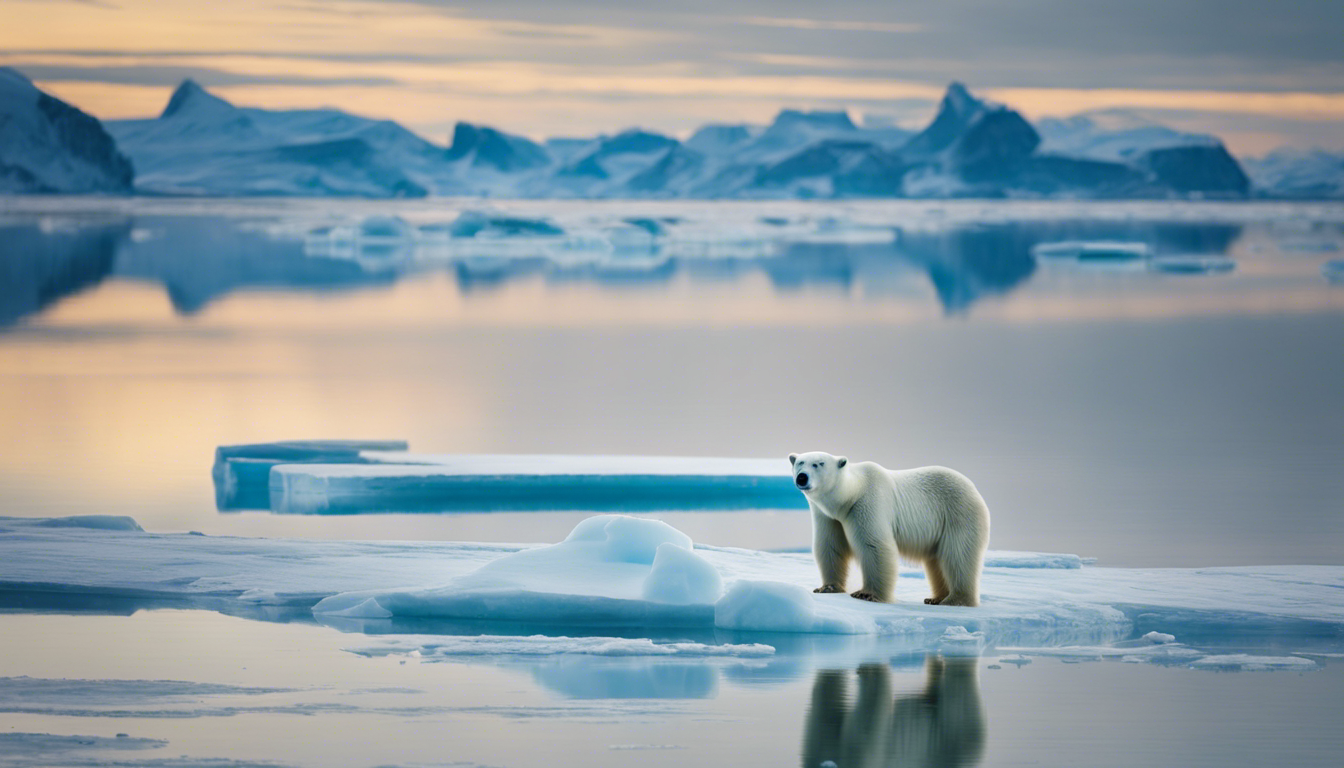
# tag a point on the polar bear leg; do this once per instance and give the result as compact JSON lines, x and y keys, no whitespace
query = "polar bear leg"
{"x":937,"y":584}
{"x":877,"y":561}
{"x":960,"y":559}
{"x":832,"y":552}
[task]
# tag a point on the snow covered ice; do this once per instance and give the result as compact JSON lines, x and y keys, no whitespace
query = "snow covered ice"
{"x":628,"y":577}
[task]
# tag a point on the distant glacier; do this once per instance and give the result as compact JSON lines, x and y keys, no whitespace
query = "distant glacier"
{"x":202,"y":145}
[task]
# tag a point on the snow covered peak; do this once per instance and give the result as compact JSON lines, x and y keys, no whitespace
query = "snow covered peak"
{"x":191,"y":98}
{"x":956,"y":112}
{"x":819,"y":119}
{"x":47,"y":145}
{"x":959,"y":99}
{"x":13,"y":82}
{"x":1114,"y":135}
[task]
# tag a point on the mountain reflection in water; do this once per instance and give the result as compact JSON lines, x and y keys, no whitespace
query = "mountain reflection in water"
{"x":199,"y":259}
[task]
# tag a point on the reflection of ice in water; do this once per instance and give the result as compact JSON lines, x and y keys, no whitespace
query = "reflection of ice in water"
{"x":202,"y":250}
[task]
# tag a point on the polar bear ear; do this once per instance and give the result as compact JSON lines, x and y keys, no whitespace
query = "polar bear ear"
{"x":793,"y":458}
{"x":841,"y":462}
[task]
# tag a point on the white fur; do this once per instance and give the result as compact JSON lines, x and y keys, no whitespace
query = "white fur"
{"x":932,"y":515}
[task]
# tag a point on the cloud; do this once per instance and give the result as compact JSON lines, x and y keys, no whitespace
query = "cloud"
{"x":835,"y":26}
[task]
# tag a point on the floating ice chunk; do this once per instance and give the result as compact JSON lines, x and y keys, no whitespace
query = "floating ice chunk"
{"x":97,"y":522}
{"x":545,"y":645}
{"x":1156,"y":652}
{"x":1157,"y":638}
{"x":493,"y":224}
{"x":366,"y":609}
{"x":1242,"y":661}
{"x":242,"y":472}
{"x":1102,"y":250}
{"x":680,"y":576}
{"x":261,"y":596}
{"x":1016,"y":659}
{"x":1192,"y":265}
{"x":450,"y":483}
{"x":1010,"y":559}
{"x":23,"y":747}
{"x":290,"y":451}
{"x":956,"y":641}
{"x":772,"y":606}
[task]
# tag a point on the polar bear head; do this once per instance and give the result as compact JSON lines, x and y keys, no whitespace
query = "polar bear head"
{"x":816,"y":471}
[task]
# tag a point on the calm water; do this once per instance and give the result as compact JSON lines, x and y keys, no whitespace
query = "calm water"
{"x":288,"y":693}
{"x":1124,"y":409}
{"x":1103,"y":407}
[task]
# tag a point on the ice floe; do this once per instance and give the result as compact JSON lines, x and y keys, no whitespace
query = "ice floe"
{"x":436,"y":483}
{"x":605,"y":580}
{"x":1247,"y":662}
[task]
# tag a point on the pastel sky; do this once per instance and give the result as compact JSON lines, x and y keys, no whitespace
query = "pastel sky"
{"x":1260,"y":74}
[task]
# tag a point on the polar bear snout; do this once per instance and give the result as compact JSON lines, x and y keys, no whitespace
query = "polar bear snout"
{"x":801,"y":480}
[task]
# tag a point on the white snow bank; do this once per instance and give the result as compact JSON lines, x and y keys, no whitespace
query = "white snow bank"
{"x":1301,"y":607}
{"x":543,"y":645}
{"x":406,"y":482}
{"x":612,"y":566}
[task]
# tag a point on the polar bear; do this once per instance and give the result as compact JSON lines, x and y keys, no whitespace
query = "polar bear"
{"x":932,"y":515}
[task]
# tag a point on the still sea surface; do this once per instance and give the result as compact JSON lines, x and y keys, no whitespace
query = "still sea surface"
{"x":1149,"y":384}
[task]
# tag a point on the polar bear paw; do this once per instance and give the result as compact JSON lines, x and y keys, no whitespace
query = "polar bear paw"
{"x":827,"y":589}
{"x":864,"y":594}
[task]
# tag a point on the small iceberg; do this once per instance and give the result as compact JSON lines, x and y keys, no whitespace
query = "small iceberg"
{"x":405,"y":482}
{"x":1192,"y":265}
{"x":1087,"y":250}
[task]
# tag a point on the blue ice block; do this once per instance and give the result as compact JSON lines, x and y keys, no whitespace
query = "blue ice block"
{"x":242,"y":472}
{"x":475,"y":483}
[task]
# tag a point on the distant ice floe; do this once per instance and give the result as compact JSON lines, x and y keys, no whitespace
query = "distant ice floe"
{"x":1192,"y":265}
{"x":1104,"y":250}
{"x":352,"y":477}
{"x":641,"y":580}
{"x":17,"y":748}
{"x":1161,"y":648}
{"x":1242,"y":661}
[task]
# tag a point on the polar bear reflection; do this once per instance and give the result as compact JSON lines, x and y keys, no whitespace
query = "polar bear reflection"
{"x":939,"y":726}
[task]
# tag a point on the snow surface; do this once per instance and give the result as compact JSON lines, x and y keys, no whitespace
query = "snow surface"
{"x":1114,"y":135}
{"x":596,"y":580}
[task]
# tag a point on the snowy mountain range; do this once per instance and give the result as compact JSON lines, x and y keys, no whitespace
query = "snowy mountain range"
{"x":47,"y":145}
{"x":203,"y":145}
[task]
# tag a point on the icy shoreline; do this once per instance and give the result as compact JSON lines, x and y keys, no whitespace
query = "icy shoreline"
{"x":1022,"y":606}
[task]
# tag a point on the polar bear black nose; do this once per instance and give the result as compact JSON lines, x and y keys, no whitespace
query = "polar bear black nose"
{"x":801,"y":479}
